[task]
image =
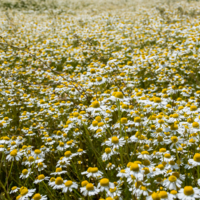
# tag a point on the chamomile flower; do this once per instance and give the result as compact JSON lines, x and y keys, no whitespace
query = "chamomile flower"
{"x":188,"y":193}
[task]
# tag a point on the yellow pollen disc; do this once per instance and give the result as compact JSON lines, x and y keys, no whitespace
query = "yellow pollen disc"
{"x":174,"y":139}
{"x":138,"y":184}
{"x":159,"y":138}
{"x":162,"y":150}
{"x":68,"y":183}
{"x":41,"y":177}
{"x":196,"y":157}
{"x":134,"y":167}
{"x":119,"y":95}
{"x":195,"y":125}
{"x":193,"y":108}
{"x":37,"y":151}
{"x":115,"y":140}
{"x":171,"y":162}
{"x":161,"y":167}
{"x":89,"y":187}
{"x":37,"y":196}
{"x":68,"y":153}
{"x":58,"y":169}
{"x":167,"y":155}
{"x":145,"y":152}
{"x":24,"y":191}
{"x":137,"y":119}
{"x":95,"y":104}
{"x":188,"y":190}
{"x":172,"y":178}
{"x":124,"y":120}
{"x":24,"y":171}
{"x":174,"y":192}
{"x":14,"y":188}
{"x":59,"y":181}
{"x":155,"y":196}
{"x":84,"y":183}
{"x":146,"y":162}
{"x":13,"y":153}
{"x":157,"y":100}
{"x":163,"y":194}
{"x":94,"y":169}
{"x":104,"y":182}
{"x":107,"y":150}
{"x":112,"y":189}
{"x":31,"y":159}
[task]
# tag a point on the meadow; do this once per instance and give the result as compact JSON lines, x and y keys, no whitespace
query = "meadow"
{"x":99,"y":100}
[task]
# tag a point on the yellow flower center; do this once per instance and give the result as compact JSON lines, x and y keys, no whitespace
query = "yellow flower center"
{"x":95,"y":104}
{"x":146,"y":162}
{"x":115,"y":140}
{"x":119,"y":95}
{"x":124,"y":120}
{"x":134,"y":167}
{"x":137,"y":119}
{"x":174,"y":192}
{"x":167,"y":155}
{"x":146,"y":170}
{"x":157,"y":100}
{"x":172,"y":178}
{"x":174,"y":127}
{"x":37,"y":151}
{"x":163,"y":194}
{"x":59,"y":181}
{"x":68,"y":183}
{"x":145,"y":152}
{"x":162,"y":150}
{"x":14,"y":188}
{"x":195,"y":125}
{"x":41,"y":177}
{"x":37,"y":196}
{"x":95,"y":123}
{"x":58,"y":169}
{"x":84,"y":183}
{"x":193,"y":108}
{"x":138,"y":184}
{"x":94,"y":169}
{"x":89,"y":187}
{"x":24,"y":191}
{"x":40,"y":164}
{"x":159,"y":138}
{"x":13,"y":153}
{"x":171,"y":162}
{"x":196,"y":157}
{"x":155,"y":196}
{"x":24,"y":171}
{"x":31,"y":159}
{"x":174,"y":139}
{"x":107,"y":150}
{"x":161,"y":167}
{"x":104,"y":182}
{"x":68,"y":153}
{"x":188,"y":190}
{"x":112,"y":189}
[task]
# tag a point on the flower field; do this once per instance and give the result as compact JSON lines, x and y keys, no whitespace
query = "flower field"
{"x":101,"y":106}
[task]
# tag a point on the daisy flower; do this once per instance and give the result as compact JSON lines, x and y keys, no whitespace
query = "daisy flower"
{"x":105,"y":184}
{"x":69,"y":185}
{"x":88,"y":189}
{"x":188,"y":193}
{"x":172,"y":183}
{"x":38,"y":196}
{"x":115,"y":142}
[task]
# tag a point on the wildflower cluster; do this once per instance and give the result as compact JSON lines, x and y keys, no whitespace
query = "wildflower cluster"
{"x":108,"y":109}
